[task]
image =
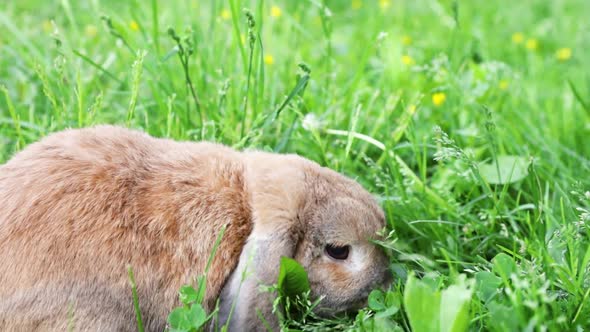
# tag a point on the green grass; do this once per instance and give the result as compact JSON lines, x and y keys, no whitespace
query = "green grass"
{"x":372,"y":108}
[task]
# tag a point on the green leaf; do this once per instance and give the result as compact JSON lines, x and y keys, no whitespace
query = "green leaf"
{"x":173,"y":51}
{"x":434,"y":281}
{"x":376,"y":300}
{"x":400,"y":271}
{"x":454,"y":306}
{"x":422,"y":305}
{"x":187,"y":294}
{"x":504,"y":265}
{"x":432,"y":310}
{"x":507,"y":169}
{"x":390,"y":303}
{"x":292,"y":278}
{"x":178,"y":319}
{"x":390,"y":311}
{"x":486,"y":285}
{"x":197,"y":316}
{"x":393,"y":303}
{"x":186,"y":319}
{"x":502,"y":318}
{"x":392,"y":299}
{"x":385,"y":324}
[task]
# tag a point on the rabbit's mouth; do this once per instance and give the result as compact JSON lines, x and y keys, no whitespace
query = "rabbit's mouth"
{"x":336,"y":306}
{"x":343,"y":308}
{"x":349,"y":300}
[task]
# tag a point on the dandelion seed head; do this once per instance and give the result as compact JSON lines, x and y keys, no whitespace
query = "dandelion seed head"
{"x":311,"y":122}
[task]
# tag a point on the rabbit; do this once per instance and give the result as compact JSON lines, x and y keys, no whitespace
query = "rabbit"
{"x":81,"y":205}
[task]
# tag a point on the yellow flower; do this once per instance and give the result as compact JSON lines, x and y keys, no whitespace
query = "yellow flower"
{"x":90,"y":31}
{"x":517,"y":37}
{"x":503,"y":85}
{"x":47,"y":26}
{"x":357,"y":4}
{"x":438,"y":98}
{"x":275,"y":11}
{"x":384,"y":4}
{"x":134,"y":26}
{"x":225,"y":14}
{"x":268,"y":59}
{"x":407,"y":60}
{"x":563,"y":54}
{"x":532,"y":44}
{"x":406,"y":40}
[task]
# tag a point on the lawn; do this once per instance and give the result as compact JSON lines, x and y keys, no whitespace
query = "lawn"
{"x":469,"y":120}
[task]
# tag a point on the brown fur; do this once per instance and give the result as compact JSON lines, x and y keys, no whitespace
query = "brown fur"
{"x":79,"y":206}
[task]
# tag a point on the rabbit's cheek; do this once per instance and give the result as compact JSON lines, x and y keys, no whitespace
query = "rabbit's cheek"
{"x":332,"y":280}
{"x":339,"y":276}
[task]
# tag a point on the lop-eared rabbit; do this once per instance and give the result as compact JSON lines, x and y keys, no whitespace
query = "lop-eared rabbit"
{"x":80,"y":206}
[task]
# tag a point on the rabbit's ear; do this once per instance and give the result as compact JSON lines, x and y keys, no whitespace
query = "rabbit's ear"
{"x":258,"y":266}
{"x":276,"y":199}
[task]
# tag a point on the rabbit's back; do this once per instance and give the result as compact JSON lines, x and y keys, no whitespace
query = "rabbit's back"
{"x":80,"y":206}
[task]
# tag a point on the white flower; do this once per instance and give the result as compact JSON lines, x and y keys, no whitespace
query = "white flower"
{"x":311,"y":122}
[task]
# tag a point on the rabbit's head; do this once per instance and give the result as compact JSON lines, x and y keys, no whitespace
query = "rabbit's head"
{"x":340,"y":220}
{"x":320,"y":218}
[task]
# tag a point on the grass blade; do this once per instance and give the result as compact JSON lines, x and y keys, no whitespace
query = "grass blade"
{"x":155,"y":27}
{"x":352,"y":128}
{"x":97,"y":66}
{"x":585,"y":105}
{"x":140,"y":327}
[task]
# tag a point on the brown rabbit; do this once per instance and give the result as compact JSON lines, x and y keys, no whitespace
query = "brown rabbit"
{"x":80,"y":206}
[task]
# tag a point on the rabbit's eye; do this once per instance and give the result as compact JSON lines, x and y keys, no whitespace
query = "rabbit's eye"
{"x":338,"y":252}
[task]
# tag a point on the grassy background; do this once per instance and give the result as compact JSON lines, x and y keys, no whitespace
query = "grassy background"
{"x":436,"y":87}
